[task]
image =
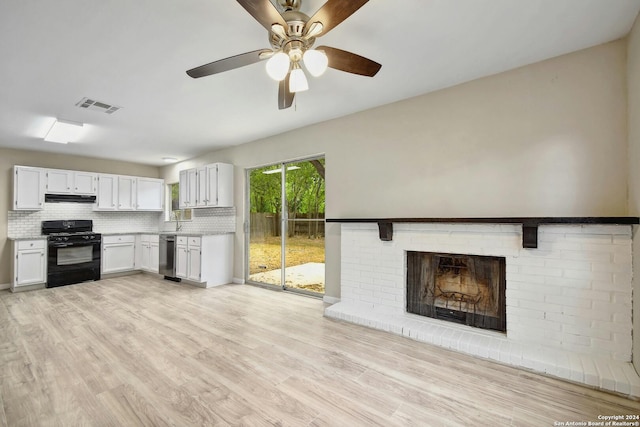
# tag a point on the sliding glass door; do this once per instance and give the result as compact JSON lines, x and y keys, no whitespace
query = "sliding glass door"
{"x":285,"y":243}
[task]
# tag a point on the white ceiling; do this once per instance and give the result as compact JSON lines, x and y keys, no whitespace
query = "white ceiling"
{"x":134,"y":54}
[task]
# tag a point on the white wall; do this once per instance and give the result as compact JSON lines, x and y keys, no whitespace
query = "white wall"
{"x":547,"y":139}
{"x":633,"y":75}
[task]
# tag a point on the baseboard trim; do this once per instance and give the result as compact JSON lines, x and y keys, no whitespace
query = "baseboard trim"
{"x":4,"y":286}
{"x":330,"y":300}
{"x":238,"y":281}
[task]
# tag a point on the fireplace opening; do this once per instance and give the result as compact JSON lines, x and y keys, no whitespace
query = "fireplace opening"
{"x":465,"y":289}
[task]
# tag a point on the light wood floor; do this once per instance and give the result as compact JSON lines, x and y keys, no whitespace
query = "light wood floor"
{"x":142,"y":351}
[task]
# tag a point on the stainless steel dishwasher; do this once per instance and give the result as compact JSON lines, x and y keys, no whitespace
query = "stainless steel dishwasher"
{"x":167,"y":264}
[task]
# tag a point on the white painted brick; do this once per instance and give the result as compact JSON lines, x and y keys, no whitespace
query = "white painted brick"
{"x":610,"y":285}
{"x":611,"y":267}
{"x":587,"y":331}
{"x":541,"y":271}
{"x":623,"y":278}
{"x":570,"y":302}
{"x":528,"y":261}
{"x":589,"y":294}
{"x":524,"y":295}
{"x":586,"y":256}
{"x":568,"y":264}
{"x":588,"y":275}
{"x":624,"y":259}
{"x":517,"y":312}
{"x":588,"y":313}
{"x":580,"y":340}
{"x":622,"y":317}
{"x":525,"y":278}
{"x":562,"y":282}
{"x":622,"y":240}
{"x":564,"y":319}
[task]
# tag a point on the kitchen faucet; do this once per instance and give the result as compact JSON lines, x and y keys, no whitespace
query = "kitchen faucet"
{"x":177,"y":216}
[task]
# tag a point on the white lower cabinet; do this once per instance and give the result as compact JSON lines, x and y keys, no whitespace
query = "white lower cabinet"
{"x":182,"y":259}
{"x":29,"y":263}
{"x":205,"y":260}
{"x":118,"y":253}
{"x":149,"y":252}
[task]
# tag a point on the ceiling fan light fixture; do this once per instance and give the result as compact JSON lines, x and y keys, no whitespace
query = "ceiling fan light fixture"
{"x":297,"y":80}
{"x":314,"y":29}
{"x":278,"y":66}
{"x":279,"y":30}
{"x":316,"y":62}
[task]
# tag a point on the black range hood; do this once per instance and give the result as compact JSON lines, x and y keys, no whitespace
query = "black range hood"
{"x":68,"y":198}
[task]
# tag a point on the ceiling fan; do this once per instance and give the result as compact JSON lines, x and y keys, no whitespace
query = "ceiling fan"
{"x":292,"y":35}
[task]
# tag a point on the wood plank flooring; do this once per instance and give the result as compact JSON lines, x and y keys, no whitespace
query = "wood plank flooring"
{"x":139,"y":351}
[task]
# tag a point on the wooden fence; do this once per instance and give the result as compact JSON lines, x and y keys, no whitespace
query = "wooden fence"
{"x":268,"y":225}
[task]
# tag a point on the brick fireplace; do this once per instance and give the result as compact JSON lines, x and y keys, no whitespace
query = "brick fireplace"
{"x":568,"y":301}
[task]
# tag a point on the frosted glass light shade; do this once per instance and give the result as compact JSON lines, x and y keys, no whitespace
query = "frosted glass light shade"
{"x":298,"y":81}
{"x":316,"y":62}
{"x":64,"y":131}
{"x":278,"y":66}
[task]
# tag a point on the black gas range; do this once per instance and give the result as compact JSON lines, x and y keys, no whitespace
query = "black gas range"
{"x":74,"y":252}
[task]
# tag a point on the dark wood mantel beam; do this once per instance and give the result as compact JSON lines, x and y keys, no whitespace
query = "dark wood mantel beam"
{"x":529,"y":224}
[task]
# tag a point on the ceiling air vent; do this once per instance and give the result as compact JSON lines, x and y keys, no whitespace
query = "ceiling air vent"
{"x":91,"y":104}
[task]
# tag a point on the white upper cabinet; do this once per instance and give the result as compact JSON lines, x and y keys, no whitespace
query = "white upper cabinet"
{"x":107,"y":192}
{"x":126,"y":193}
{"x":59,"y":181}
{"x":201,"y":196}
{"x":220,"y":189}
{"x":28,"y":188}
{"x":85,"y":183}
{"x":71,"y":182}
{"x":150,"y":194}
{"x":188,"y":188}
{"x":129,"y":193}
{"x":114,"y":192}
{"x":207,"y":186}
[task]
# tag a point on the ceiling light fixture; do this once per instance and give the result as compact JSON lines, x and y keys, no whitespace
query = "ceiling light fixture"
{"x":278,"y":66}
{"x":64,"y":131}
{"x":314,"y":29}
{"x":297,"y":79}
{"x":316,"y":62}
{"x":169,"y":159}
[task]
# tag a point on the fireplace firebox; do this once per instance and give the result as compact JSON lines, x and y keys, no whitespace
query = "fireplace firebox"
{"x":465,"y":289}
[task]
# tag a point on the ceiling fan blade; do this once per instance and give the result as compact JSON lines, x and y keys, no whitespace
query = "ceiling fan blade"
{"x":350,"y":62}
{"x":264,"y":12}
{"x":333,"y":12}
{"x":285,"y":97}
{"x":226,"y":64}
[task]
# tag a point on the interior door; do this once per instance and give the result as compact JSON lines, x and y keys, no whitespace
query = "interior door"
{"x":285,"y":243}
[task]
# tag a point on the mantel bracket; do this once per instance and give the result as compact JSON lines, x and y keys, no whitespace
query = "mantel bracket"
{"x":529,"y":235}
{"x":385,"y":231}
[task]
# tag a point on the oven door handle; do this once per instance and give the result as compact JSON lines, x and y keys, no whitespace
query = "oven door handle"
{"x":61,"y":245}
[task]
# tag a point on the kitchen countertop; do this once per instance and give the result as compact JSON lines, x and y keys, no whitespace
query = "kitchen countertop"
{"x":34,"y":237}
{"x":194,"y":234}
{"x":174,"y":233}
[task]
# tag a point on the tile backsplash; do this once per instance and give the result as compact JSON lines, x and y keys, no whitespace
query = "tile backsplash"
{"x":211,"y":220}
{"x":28,"y":223}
